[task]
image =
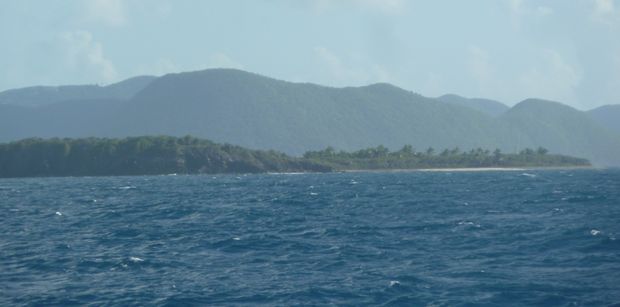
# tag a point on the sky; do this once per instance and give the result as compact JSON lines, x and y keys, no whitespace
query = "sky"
{"x":507,"y":50}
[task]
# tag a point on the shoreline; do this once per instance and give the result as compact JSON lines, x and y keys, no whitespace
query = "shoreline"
{"x":469,"y":169}
{"x":382,"y":170}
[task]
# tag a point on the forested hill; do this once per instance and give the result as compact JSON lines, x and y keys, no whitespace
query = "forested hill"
{"x":140,"y":156}
{"x":490,"y":107}
{"x":187,"y":155}
{"x":253,"y":111}
{"x":608,"y":116}
{"x":45,"y":95}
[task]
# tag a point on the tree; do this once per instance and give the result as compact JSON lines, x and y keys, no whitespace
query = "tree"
{"x":497,"y":155}
{"x":541,"y":151}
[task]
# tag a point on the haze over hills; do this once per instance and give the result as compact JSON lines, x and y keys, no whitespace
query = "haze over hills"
{"x":608,"y":116}
{"x":564,"y":129}
{"x":45,"y":95}
{"x":488,"y":106}
{"x":250,"y":110}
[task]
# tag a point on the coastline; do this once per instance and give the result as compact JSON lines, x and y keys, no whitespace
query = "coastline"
{"x":386,"y":170}
{"x":469,"y":169}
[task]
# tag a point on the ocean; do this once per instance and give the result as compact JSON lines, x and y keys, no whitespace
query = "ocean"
{"x":497,"y":238}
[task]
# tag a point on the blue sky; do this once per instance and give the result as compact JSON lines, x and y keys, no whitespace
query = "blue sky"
{"x":508,"y":50}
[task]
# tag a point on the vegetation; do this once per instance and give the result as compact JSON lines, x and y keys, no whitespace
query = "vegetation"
{"x":140,"y":156}
{"x":263,"y":113}
{"x":164,"y":155}
{"x":408,"y":158}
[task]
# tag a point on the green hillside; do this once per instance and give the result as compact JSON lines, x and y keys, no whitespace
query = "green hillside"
{"x":607,"y":116}
{"x":246,"y":109}
{"x":487,"y":106}
{"x":259,"y":112}
{"x":563,"y":129}
{"x":46,"y":95}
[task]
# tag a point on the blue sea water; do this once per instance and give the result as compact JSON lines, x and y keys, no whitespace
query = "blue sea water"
{"x":549,"y":238}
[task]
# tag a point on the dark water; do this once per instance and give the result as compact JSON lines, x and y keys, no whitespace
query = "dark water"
{"x":494,"y":238}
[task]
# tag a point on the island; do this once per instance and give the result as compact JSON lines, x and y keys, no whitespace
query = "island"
{"x":156,"y":155}
{"x":381,"y":158}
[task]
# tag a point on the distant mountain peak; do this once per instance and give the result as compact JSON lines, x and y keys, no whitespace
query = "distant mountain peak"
{"x":607,"y":116}
{"x":245,"y":108}
{"x":538,"y":104}
{"x":487,"y":106}
{"x":35,"y":96}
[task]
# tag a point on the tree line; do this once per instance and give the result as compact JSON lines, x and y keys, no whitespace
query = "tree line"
{"x":149,"y":155}
{"x":407,"y":157}
{"x":140,"y":156}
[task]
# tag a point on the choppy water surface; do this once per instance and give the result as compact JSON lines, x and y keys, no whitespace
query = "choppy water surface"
{"x":485,"y":238}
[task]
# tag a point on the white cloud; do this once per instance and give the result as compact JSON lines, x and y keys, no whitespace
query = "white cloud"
{"x":518,"y":7}
{"x":108,"y":12}
{"x":382,"y":6}
{"x":550,"y":77}
{"x":342,"y":73}
{"x":164,"y":66}
{"x":434,"y":85}
{"x":167,"y":66}
{"x":519,"y":10}
{"x":381,"y":74}
{"x":543,"y":11}
{"x":556,"y":79}
{"x":605,"y":12}
{"x":333,"y":63}
{"x":222,"y":60}
{"x":387,"y":6}
{"x":615,"y":81}
{"x":84,"y":56}
{"x":604,"y":6}
{"x":481,"y":69}
{"x":515,"y":6}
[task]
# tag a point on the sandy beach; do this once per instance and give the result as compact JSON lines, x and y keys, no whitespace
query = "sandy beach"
{"x":468,"y":169}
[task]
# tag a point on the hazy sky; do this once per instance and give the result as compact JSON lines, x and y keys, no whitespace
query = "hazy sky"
{"x":507,"y":50}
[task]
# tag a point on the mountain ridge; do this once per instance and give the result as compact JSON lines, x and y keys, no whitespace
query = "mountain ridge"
{"x":254,"y":111}
{"x":608,"y":116}
{"x":34,"y":96}
{"x":488,"y":106}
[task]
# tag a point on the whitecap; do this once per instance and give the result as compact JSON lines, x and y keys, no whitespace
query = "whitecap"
{"x":58,"y":213}
{"x":595,"y":232}
{"x":528,"y":175}
{"x":236,"y":238}
{"x":135,"y":259}
{"x":313,"y":193}
{"x":467,"y":223}
{"x":394,"y":283}
{"x":127,"y":187}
